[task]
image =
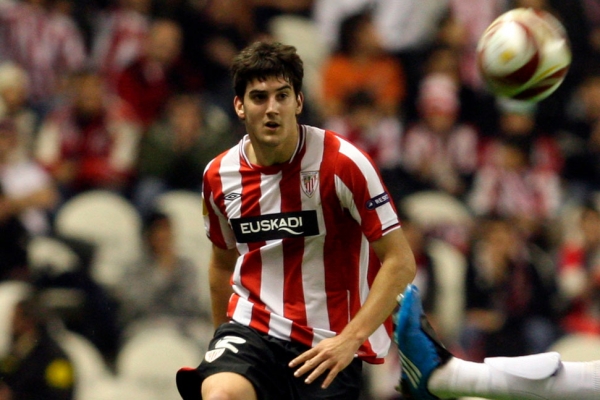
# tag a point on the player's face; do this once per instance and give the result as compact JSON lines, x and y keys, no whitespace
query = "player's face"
{"x":269,"y":110}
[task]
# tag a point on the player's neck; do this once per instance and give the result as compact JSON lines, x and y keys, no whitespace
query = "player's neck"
{"x":265,"y":155}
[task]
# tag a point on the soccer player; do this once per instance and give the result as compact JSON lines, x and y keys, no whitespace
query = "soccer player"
{"x":430,"y":372}
{"x":308,"y":255}
{"x":307,"y":262}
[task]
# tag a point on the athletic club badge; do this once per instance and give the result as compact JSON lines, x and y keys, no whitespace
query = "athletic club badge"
{"x":212,"y":355}
{"x":309,"y":181}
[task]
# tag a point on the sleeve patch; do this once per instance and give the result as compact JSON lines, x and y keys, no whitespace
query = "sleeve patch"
{"x":377,"y":201}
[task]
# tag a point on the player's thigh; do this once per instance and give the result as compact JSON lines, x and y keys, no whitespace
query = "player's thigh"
{"x":346,"y":385}
{"x":241,"y":350}
{"x":227,"y":385}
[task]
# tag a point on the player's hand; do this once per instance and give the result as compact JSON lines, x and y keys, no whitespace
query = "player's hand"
{"x":333,"y":354}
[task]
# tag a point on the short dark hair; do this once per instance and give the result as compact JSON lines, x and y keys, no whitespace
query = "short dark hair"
{"x":262,"y":60}
{"x":150,"y":220}
{"x":350,"y":28}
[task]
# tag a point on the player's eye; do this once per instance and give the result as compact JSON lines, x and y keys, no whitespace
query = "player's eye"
{"x":283,"y":96}
{"x":259,"y":97}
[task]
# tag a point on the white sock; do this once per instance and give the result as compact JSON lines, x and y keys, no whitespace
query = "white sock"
{"x":572,"y":381}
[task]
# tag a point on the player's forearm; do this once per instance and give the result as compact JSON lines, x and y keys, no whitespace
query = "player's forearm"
{"x":397,"y":271}
{"x":379,"y":305}
{"x":221,"y":267}
{"x":220,"y":292}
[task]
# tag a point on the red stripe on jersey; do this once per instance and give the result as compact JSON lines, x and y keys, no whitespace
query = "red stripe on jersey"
{"x":336,"y":221}
{"x":233,"y":301}
{"x":293,"y":251}
{"x":252,"y":266}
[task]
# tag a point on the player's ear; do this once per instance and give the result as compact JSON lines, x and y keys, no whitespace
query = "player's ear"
{"x":238,"y":105}
{"x":300,"y":101}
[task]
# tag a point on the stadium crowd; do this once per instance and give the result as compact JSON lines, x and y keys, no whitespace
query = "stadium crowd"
{"x":133,"y":98}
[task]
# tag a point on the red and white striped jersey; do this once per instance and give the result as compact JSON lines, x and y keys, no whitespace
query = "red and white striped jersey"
{"x":46,"y":44}
{"x":302,"y":229}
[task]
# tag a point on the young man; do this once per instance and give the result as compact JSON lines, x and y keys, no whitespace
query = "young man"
{"x":298,"y":298}
{"x":308,"y":255}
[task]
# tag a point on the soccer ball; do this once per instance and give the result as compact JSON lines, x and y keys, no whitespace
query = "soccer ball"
{"x":524,"y":54}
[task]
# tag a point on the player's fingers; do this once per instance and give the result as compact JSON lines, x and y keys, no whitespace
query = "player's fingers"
{"x":318,"y":371}
{"x":330,"y":377}
{"x":308,"y":366}
{"x":302,"y":358}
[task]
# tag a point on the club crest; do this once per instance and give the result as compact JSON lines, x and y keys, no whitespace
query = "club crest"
{"x":309,"y":181}
{"x":212,"y":355}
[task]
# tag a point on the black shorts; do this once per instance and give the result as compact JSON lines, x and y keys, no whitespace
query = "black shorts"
{"x":263,"y":360}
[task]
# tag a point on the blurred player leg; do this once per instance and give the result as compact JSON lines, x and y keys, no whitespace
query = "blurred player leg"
{"x":430,"y":372}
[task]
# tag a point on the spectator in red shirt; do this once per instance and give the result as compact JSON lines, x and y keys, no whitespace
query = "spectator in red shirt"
{"x":438,"y":150}
{"x":119,"y":35}
{"x":148,"y":82}
{"x":579,"y":273}
{"x":91,"y":142}
{"x":46,"y":43}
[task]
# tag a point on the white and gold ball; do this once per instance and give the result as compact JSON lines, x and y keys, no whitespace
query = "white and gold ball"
{"x":524,"y":54}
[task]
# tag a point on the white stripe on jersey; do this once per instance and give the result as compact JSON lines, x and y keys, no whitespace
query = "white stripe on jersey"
{"x":243,"y":310}
{"x":229,"y":164}
{"x":316,"y":314}
{"x":272,"y":277}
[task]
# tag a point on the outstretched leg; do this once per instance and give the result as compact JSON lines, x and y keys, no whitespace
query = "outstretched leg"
{"x":420,"y":350}
{"x":429,"y":371}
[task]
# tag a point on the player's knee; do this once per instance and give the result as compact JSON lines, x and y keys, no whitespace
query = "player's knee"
{"x":227,"y":386}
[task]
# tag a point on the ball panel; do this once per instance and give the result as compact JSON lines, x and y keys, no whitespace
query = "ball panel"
{"x":508,"y":46}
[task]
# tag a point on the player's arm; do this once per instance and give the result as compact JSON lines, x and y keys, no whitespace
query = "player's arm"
{"x":222,"y":264}
{"x":397,"y":271}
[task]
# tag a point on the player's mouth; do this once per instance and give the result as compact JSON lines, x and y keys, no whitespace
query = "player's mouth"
{"x":271,"y":125}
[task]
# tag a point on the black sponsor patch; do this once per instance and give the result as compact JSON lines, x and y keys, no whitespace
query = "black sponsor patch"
{"x":275,"y":226}
{"x":378,"y":201}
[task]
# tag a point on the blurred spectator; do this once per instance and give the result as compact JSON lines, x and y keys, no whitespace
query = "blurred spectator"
{"x":92,"y":141}
{"x":477,"y":107}
{"x":579,"y":274}
{"x":26,"y":190}
{"x":46,"y":43}
{"x":514,"y":188}
{"x":177,"y":148}
{"x":517,"y":120}
{"x":425,"y":278}
{"x":581,"y":142}
{"x":360,"y":63}
{"x":264,"y":10}
{"x":162,"y":284}
{"x":14,"y":93}
{"x":508,"y":302}
{"x":408,"y":25}
{"x":81,"y":304}
{"x":407,"y":29}
{"x":439,"y":151}
{"x":36,"y":367}
{"x":366,"y":126}
{"x":147,"y":83}
{"x":14,"y":240}
{"x":464,"y":25}
{"x":215,"y":32}
{"x":119,"y":35}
